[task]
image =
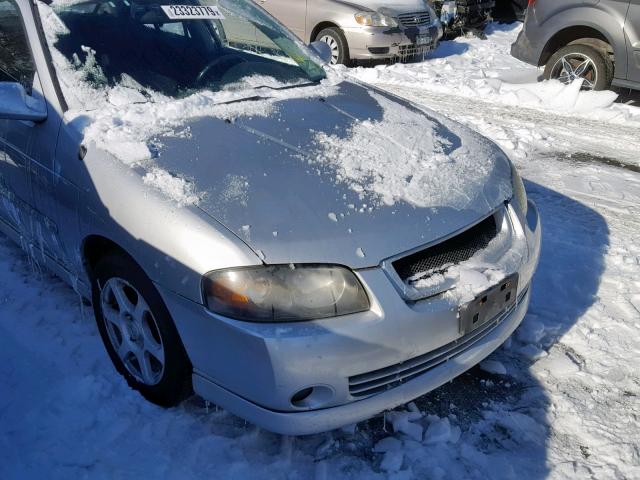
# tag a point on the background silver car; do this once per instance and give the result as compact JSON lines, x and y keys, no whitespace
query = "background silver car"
{"x":239,"y":258}
{"x":362,"y":30}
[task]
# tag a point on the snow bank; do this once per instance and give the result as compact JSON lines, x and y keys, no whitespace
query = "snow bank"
{"x":484,"y":69}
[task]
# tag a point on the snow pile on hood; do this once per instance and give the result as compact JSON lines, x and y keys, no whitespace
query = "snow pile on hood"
{"x":127,"y":123}
{"x":484,"y":69}
{"x":408,"y":157}
{"x":176,"y":188}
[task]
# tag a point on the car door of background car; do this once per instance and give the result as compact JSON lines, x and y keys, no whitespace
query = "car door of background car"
{"x":26,"y":170}
{"x":632,"y":30}
{"x":291,"y":13}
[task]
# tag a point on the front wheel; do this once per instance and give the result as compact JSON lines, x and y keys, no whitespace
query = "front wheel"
{"x":138,"y":332}
{"x":335,"y":39}
{"x":575,"y":62}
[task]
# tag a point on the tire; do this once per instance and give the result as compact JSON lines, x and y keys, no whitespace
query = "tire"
{"x":599,"y":71}
{"x":164,"y":376}
{"x":339,"y":48}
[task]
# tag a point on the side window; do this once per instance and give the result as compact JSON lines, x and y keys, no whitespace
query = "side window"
{"x":16,"y":64}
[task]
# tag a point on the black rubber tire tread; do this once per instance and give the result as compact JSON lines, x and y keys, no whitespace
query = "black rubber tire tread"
{"x":603,"y":64}
{"x":175,"y":384}
{"x":343,"y":46}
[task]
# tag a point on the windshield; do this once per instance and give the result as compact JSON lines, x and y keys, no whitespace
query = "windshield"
{"x":179,"y":48}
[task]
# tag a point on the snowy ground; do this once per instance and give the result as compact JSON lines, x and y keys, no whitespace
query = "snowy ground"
{"x":561,"y":400}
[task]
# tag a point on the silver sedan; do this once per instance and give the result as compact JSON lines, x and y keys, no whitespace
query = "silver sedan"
{"x":299,"y":249}
{"x":363,"y":30}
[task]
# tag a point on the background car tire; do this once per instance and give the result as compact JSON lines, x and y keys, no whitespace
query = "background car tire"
{"x":335,"y":39}
{"x":602,"y":64}
{"x":174,"y":383}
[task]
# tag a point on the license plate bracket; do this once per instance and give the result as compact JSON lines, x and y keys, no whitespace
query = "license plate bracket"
{"x":488,"y":305}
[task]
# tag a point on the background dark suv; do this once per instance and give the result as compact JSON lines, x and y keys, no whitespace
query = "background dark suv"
{"x":597,"y":40}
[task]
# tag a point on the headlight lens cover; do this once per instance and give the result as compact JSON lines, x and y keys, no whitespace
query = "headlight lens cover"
{"x":519,"y":192}
{"x":284,"y":293}
{"x":375,"y":19}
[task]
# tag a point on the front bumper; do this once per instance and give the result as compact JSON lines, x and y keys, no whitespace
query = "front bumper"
{"x":376,"y":43}
{"x":315,"y":421}
{"x":524,"y":50}
{"x":254,"y":370}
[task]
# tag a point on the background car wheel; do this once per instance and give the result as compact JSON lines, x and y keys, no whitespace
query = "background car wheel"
{"x":581,"y":61}
{"x":335,"y":39}
{"x":138,"y":332}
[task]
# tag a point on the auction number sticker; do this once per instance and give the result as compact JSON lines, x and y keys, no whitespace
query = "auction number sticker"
{"x":192,"y":12}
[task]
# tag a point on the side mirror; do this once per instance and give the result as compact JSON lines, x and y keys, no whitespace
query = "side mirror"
{"x":15,"y":104}
{"x":323,"y":50}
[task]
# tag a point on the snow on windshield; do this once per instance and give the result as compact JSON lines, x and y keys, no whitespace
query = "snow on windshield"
{"x":407,"y":156}
{"x":126,"y":119}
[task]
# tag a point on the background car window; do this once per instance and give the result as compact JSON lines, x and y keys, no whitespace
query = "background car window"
{"x":16,"y":64}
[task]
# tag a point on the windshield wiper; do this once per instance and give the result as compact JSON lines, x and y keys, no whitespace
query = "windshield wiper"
{"x":252,"y":98}
{"x":266,"y":97}
{"x":287,"y":87}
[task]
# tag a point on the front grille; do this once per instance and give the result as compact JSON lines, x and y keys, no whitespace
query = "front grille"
{"x":450,"y":252}
{"x":383,"y":379}
{"x":416,"y":19}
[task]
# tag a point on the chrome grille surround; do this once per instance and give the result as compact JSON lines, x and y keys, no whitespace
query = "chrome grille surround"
{"x":383,"y":379}
{"x":415,"y":19}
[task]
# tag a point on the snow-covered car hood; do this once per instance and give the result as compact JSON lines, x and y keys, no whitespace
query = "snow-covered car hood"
{"x":352,"y":178}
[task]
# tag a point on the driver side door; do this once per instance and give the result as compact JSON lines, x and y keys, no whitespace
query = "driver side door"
{"x":27,"y":148}
{"x":16,"y":66}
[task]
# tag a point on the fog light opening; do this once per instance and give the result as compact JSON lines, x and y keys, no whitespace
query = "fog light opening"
{"x":315,"y":396}
{"x":298,"y":398}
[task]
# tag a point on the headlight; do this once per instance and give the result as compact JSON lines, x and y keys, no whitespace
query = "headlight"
{"x":375,"y":19}
{"x":284,"y":293}
{"x":519,"y":193}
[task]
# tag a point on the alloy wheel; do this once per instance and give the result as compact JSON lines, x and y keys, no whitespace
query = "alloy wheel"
{"x":335,"y":48}
{"x":573,"y":66}
{"x":133,"y":331}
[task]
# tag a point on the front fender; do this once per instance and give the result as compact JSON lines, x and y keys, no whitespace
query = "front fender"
{"x":175,"y":245}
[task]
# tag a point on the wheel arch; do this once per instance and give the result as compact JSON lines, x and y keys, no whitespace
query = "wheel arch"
{"x":577,"y":35}
{"x":321,"y":26}
{"x":94,"y":247}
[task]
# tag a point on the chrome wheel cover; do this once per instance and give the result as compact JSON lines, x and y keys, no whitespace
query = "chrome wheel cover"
{"x":335,"y":49}
{"x":573,"y":66}
{"x":132,"y":330}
